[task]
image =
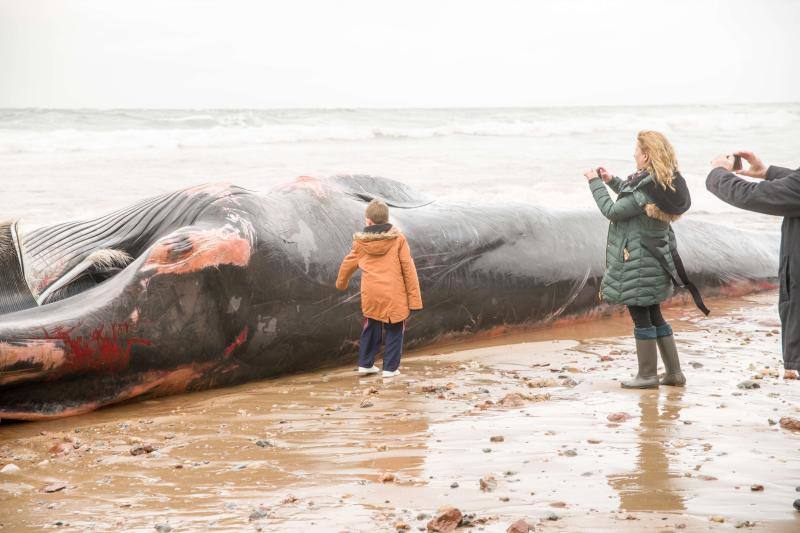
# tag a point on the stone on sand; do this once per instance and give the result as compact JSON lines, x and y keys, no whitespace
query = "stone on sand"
{"x":790,"y":423}
{"x":488,"y":483}
{"x":447,"y":520}
{"x":143,"y":449}
{"x":10,"y":468}
{"x":618,"y":417}
{"x":55,"y":487}
{"x":520,"y":526}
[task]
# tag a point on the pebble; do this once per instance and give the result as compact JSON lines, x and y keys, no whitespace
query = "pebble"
{"x":571,"y":453}
{"x":258,"y":514}
{"x":520,"y":526}
{"x":757,"y":488}
{"x":10,"y":468}
{"x":748,"y":384}
{"x":618,"y":417}
{"x":551,"y":516}
{"x":163,"y":528}
{"x":454,"y":485}
{"x":264,"y":444}
{"x":497,"y":438}
{"x":55,"y":487}
{"x":488,"y":483}
{"x":142,"y":449}
{"x":790,"y":423}
{"x":447,"y":520}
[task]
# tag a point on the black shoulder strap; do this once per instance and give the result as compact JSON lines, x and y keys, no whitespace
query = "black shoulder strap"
{"x":651,"y":244}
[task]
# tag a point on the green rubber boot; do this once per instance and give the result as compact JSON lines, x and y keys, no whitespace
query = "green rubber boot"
{"x":673,"y":376}
{"x":647,"y":354}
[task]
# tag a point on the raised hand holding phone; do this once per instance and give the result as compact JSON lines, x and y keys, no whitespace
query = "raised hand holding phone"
{"x":757,"y":168}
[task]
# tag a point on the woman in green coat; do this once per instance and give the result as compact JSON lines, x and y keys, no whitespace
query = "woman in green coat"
{"x":639,"y":262}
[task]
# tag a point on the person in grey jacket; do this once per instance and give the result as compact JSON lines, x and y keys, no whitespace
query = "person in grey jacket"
{"x":779,"y":195}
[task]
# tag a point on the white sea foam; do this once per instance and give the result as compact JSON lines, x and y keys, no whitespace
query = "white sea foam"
{"x":71,"y":131}
{"x":59,"y":164}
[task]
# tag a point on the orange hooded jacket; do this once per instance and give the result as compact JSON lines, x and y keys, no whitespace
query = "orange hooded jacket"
{"x":389,"y":283}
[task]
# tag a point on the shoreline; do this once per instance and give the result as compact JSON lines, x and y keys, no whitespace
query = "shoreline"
{"x":361,"y":454}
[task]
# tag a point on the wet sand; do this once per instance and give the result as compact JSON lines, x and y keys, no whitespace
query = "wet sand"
{"x":327,"y":451}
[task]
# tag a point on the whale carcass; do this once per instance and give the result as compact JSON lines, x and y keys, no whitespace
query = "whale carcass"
{"x":216,"y":285}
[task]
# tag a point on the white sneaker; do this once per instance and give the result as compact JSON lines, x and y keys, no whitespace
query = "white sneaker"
{"x":364,"y":371}
{"x":388,"y":374}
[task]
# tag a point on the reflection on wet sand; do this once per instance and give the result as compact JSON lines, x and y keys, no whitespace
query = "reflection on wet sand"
{"x":650,"y":486}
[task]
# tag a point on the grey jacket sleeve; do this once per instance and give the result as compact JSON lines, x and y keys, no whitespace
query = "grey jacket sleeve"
{"x":778,"y":196}
{"x":774,"y":172}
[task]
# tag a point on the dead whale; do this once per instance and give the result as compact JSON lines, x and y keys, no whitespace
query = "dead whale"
{"x":216,"y":285}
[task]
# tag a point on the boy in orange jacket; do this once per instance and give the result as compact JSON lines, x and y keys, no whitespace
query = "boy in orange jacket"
{"x":389,"y":288}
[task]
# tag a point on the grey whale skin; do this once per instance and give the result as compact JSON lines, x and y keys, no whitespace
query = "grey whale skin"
{"x":217,"y":285}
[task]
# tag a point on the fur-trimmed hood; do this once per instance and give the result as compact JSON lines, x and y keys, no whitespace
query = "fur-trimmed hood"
{"x":653,"y":211}
{"x":379,"y":232}
{"x":377,"y":239}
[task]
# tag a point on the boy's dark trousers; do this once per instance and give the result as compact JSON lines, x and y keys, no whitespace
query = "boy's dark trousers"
{"x":371,"y":339}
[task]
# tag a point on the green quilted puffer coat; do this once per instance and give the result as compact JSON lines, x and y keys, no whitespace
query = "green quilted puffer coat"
{"x":633,"y":275}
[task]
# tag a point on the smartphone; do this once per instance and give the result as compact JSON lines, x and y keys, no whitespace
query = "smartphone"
{"x":737,"y":162}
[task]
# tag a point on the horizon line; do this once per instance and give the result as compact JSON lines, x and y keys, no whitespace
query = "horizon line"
{"x":393,"y":108}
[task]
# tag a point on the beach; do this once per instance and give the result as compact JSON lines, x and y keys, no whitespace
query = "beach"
{"x":213,"y":214}
{"x":529,"y":425}
{"x":508,"y":424}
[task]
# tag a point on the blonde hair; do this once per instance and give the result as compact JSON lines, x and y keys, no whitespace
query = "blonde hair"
{"x":661,"y":160}
{"x":378,"y":212}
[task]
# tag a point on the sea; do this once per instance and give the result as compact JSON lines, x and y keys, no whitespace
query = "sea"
{"x":65,"y":164}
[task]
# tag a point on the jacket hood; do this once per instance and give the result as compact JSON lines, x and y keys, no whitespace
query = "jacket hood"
{"x":377,"y":239}
{"x":671,"y":202}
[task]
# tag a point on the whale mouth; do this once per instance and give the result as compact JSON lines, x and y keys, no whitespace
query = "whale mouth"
{"x":16,"y":293}
{"x":96,"y":268}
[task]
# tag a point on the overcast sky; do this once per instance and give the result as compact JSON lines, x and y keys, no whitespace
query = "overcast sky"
{"x":408,"y":53}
